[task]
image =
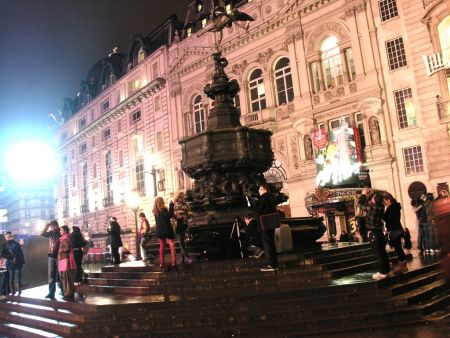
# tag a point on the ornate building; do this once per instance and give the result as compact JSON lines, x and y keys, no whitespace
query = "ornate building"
{"x":381,"y":67}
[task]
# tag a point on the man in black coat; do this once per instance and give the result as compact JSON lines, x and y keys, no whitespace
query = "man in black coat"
{"x":266,"y":205}
{"x":116,"y":241}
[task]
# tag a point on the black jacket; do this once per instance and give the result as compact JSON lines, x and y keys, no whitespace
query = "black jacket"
{"x":392,"y":217}
{"x":164,"y":227}
{"x":114,"y":234}
{"x":266,"y":204}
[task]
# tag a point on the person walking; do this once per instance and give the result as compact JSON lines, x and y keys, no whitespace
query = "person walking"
{"x":266,"y":205}
{"x":164,"y":230}
{"x":15,"y":259}
{"x":78,"y":243}
{"x":181,"y":212}
{"x":66,"y":262}
{"x":145,"y":235}
{"x":115,"y":239}
{"x":394,"y":227}
{"x":53,"y":247}
{"x":373,"y":206}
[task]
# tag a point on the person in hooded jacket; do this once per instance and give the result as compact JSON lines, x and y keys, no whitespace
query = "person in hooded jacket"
{"x":395,"y":230}
{"x":12,"y":251}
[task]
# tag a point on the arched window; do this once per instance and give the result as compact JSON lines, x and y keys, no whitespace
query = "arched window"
{"x":257,"y":91}
{"x":199,"y":115}
{"x":283,"y":81}
{"x":331,"y":62}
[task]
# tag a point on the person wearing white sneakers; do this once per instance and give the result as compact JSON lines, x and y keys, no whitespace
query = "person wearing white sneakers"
{"x":374,"y":208}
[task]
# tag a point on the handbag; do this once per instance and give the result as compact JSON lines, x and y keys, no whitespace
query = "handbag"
{"x":269,"y":221}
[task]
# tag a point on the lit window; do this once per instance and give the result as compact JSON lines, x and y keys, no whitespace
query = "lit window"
{"x":412,"y":157}
{"x":157,"y":103}
{"x":139,"y":170}
{"x":155,"y":69}
{"x":405,"y":108}
{"x":134,"y":85}
{"x":314,"y":67}
{"x":141,"y":55}
{"x":204,"y":22}
{"x":159,"y":141}
{"x":388,"y":9}
{"x":109,"y":179}
{"x":228,"y":8}
{"x":135,"y":117}
{"x":198,"y":7}
{"x":85,"y":187}
{"x":396,"y":53}
{"x":331,"y":62}
{"x":189,"y":31}
{"x":257,"y":91}
{"x":350,"y":64}
{"x":199,"y":115}
{"x":283,"y":81}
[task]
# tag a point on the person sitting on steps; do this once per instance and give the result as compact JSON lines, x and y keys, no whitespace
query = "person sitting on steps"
{"x":252,"y":240}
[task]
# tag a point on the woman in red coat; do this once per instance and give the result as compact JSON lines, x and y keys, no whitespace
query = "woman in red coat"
{"x":66,"y":262}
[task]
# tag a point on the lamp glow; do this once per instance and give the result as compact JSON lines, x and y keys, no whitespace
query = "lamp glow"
{"x":31,"y":161}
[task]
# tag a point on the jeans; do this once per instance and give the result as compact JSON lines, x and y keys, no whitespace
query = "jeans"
{"x":429,"y":234}
{"x":53,"y":275}
{"x":13,"y":271}
{"x":4,"y":282}
{"x":270,"y":250}
{"x":379,"y":249}
{"x":397,"y":244}
{"x":181,"y":237}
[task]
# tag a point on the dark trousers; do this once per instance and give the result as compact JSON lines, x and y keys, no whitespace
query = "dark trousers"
{"x":53,"y":275}
{"x":362,"y":228}
{"x":4,"y":283}
{"x":379,"y":249}
{"x":397,"y":244}
{"x":13,"y":272}
{"x":78,"y":255}
{"x":115,"y":254}
{"x":270,"y":250}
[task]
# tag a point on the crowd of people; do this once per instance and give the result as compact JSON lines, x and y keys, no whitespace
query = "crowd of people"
{"x":379,"y":213}
{"x":378,"y":218}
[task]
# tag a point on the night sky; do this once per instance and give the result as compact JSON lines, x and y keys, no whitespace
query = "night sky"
{"x":48,"y":46}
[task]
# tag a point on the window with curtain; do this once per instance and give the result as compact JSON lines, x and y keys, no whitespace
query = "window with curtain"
{"x":331,"y":62}
{"x":257,"y":91}
{"x":139,"y":169}
{"x":283,"y":81}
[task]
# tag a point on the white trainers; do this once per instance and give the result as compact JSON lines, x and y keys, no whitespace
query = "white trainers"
{"x":269,"y":268}
{"x":378,"y":276}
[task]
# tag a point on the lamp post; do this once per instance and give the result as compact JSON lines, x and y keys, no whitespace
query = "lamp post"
{"x":155,"y":188}
{"x":133,"y":203}
{"x":152,"y":160}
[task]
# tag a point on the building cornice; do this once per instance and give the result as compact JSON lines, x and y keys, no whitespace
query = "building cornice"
{"x":152,"y":88}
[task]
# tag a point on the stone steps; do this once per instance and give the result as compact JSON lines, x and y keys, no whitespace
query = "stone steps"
{"x":422,"y":293}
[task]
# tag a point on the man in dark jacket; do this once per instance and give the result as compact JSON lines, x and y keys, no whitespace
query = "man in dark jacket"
{"x":266,"y":205}
{"x":374,"y":210}
{"x":53,"y":247}
{"x":116,"y":241}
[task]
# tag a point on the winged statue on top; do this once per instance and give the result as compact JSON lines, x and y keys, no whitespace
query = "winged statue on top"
{"x":224,"y":19}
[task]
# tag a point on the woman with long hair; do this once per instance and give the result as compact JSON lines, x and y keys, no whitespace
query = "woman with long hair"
{"x":66,"y":262}
{"x":78,"y":243}
{"x":164,"y":230}
{"x":181,"y":210}
{"x":395,"y":230}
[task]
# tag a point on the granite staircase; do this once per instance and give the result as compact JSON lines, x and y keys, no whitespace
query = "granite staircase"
{"x":234,"y":299}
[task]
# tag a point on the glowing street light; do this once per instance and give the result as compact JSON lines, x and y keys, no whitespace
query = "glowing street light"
{"x":31,"y":161}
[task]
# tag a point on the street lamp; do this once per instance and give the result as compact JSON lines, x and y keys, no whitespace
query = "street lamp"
{"x":133,"y":203}
{"x":153,"y":161}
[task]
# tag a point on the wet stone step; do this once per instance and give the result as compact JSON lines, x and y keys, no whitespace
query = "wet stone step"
{"x":415,"y":282}
{"x":347,"y":262}
{"x":339,"y":256}
{"x":423,"y":293}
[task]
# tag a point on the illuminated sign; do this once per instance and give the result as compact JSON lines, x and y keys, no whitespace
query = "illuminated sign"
{"x":337,"y":160}
{"x":3,"y":215}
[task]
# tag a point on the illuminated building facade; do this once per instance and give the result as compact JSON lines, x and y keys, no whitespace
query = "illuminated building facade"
{"x":379,"y":67}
